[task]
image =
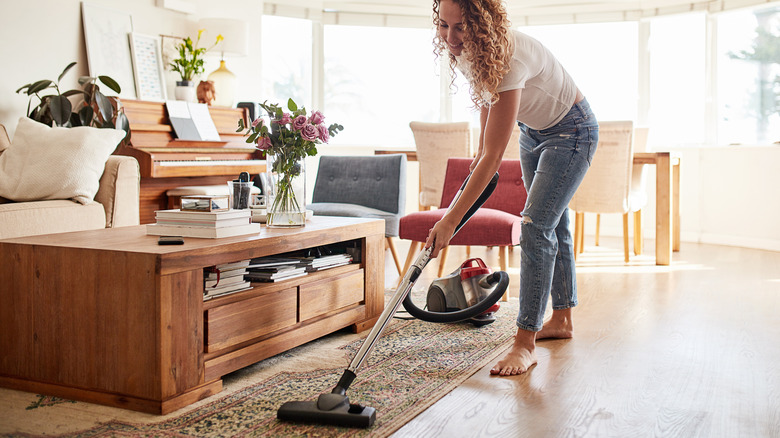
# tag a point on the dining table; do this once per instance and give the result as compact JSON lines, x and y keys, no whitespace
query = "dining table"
{"x":667,"y":198}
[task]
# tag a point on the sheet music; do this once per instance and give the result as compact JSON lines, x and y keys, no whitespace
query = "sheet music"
{"x":191,"y":121}
{"x":200,"y":115}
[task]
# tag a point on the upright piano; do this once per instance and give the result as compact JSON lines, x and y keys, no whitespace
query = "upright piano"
{"x":167,"y":162}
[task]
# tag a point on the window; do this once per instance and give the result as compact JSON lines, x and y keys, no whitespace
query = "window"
{"x":748,"y":84}
{"x":286,"y":64}
{"x":377,"y":80}
{"x":677,"y":80}
{"x":463,"y":109}
{"x":602,"y":60}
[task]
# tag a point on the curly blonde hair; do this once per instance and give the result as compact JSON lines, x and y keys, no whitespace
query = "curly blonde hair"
{"x":487,"y":46}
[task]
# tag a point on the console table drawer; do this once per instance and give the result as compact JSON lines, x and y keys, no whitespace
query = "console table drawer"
{"x":241,"y":321}
{"x":320,"y":297}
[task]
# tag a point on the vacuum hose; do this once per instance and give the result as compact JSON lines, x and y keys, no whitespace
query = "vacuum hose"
{"x":500,"y":277}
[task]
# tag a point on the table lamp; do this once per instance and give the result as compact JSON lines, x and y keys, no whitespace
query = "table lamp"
{"x":235,"y":33}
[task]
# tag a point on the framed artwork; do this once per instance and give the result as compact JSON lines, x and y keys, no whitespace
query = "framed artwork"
{"x":108,"y":49}
{"x":147,"y":67}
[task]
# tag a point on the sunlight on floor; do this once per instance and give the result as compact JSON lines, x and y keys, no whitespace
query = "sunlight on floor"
{"x":606,"y":259}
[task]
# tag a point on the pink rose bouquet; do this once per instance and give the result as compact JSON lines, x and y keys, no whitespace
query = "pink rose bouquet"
{"x":289,"y":137}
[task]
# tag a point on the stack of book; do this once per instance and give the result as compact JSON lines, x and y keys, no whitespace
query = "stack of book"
{"x":224,"y":279}
{"x":272,"y":269}
{"x":205,"y":224}
{"x":319,"y":263}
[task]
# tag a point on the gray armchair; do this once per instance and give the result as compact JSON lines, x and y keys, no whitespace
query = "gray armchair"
{"x":363,"y":186}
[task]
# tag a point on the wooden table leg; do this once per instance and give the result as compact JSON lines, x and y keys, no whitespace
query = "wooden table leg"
{"x":664,"y":200}
{"x":676,"y":204}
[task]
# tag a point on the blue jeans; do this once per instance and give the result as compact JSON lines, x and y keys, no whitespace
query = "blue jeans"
{"x":554,"y":162}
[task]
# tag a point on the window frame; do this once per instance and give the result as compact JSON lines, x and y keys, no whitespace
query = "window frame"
{"x":709,"y":76}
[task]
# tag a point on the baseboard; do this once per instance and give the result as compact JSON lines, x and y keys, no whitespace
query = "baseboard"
{"x":707,"y":238}
{"x":743,"y":242}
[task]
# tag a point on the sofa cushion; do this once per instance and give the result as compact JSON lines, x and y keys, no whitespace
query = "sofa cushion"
{"x":46,"y":217}
{"x":354,"y":210}
{"x":55,"y":163}
{"x":488,"y":227}
{"x":4,"y":141}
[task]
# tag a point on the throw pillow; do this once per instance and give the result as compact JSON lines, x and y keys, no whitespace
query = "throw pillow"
{"x":55,"y":163}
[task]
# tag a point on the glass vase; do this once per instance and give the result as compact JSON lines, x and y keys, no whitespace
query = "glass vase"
{"x":286,"y":201}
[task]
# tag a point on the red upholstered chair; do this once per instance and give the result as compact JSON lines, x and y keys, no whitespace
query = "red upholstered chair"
{"x":497,"y":223}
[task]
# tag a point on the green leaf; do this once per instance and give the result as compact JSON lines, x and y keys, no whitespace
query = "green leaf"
{"x":110,"y":83}
{"x":252,"y":138}
{"x":85,"y":115}
{"x":23,"y":87}
{"x":75,"y":120}
{"x":104,"y":106}
{"x":66,"y":70}
{"x":85,"y":79}
{"x":60,"y":109}
{"x":122,"y":123}
{"x":291,"y":105}
{"x":74,"y":92}
{"x":38,"y":86}
{"x":240,"y":125}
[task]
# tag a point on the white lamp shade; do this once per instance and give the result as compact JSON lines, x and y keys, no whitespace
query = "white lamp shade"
{"x":235,"y":33}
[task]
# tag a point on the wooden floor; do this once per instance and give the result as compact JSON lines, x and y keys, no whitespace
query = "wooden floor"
{"x":687,"y":350}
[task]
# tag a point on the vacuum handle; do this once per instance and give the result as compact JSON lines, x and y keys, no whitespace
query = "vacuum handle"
{"x":405,"y":286}
{"x":491,"y":186}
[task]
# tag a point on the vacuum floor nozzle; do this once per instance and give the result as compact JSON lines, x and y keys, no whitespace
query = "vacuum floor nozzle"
{"x":341,"y":413}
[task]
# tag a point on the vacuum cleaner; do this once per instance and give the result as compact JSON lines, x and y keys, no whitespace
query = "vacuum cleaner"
{"x":445,"y":305}
{"x":462,"y":289}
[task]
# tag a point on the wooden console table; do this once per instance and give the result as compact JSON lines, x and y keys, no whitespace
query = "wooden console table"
{"x":108,"y":316}
{"x":667,"y":198}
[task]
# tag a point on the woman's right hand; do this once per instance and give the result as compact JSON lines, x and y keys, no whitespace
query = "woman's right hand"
{"x":439,"y":236}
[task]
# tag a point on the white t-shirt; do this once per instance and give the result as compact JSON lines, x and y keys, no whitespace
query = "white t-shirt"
{"x":548,"y":90}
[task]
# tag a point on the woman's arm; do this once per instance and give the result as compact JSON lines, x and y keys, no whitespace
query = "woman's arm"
{"x":499,"y":121}
{"x":483,"y":116}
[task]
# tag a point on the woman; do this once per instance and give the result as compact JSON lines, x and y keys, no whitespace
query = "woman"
{"x":514,"y":79}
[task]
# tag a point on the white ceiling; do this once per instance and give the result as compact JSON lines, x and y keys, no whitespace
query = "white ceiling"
{"x":521,"y":12}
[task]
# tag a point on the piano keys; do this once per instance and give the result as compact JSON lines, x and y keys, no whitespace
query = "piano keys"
{"x":167,"y":162}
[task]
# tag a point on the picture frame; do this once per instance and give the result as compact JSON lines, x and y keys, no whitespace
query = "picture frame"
{"x":108,"y":48}
{"x":148,"y":68}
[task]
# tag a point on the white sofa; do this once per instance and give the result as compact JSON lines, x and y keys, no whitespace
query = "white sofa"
{"x":116,"y":204}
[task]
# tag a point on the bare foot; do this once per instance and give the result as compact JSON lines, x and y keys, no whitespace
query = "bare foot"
{"x":517,"y":361}
{"x":558,"y":327}
{"x":520,"y":358}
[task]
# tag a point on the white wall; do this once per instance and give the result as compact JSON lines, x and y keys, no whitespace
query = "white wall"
{"x":38,"y":38}
{"x":729,"y":196}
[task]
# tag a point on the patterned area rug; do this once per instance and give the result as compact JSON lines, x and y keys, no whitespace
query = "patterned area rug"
{"x":414,"y":364}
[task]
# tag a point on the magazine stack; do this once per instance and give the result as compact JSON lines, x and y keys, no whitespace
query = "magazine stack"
{"x":225,"y":279}
{"x":318,"y":263}
{"x":272,"y":269}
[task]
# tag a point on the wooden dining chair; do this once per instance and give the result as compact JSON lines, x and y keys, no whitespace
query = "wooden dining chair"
{"x":435,"y":142}
{"x":607,"y":187}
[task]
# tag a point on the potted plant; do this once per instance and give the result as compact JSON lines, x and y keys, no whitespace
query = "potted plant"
{"x":189,"y":64}
{"x":93,"y":109}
